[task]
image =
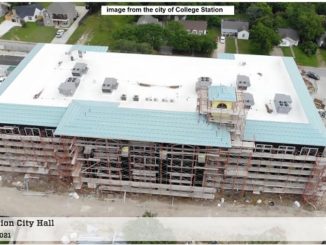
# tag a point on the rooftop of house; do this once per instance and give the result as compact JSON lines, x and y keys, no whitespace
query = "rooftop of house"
{"x":147,"y":19}
{"x":199,"y":25}
{"x":288,"y":32}
{"x":61,"y":7}
{"x":235,"y":25}
{"x":165,"y":88}
{"x":27,"y":10}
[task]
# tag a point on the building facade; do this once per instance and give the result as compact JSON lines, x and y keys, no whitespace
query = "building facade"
{"x":182,"y":138}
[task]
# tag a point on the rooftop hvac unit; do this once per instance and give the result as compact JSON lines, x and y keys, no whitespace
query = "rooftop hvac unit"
{"x":109,"y":84}
{"x":248,"y":100}
{"x":203,"y":83}
{"x":135,"y":98}
{"x":282,"y":103}
{"x":69,"y":87}
{"x":79,"y":69}
{"x":243,"y":82}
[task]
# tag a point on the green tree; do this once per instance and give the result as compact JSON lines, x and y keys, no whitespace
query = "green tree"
{"x":127,"y":32}
{"x":304,"y":18}
{"x":309,"y":48}
{"x":177,"y":37}
{"x":260,"y":12}
{"x":263,"y":38}
{"x":152,"y":34}
{"x":130,"y":46}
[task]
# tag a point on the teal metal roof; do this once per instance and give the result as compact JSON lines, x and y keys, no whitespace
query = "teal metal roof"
{"x":226,"y":56}
{"x":46,"y":116}
{"x":225,"y":93}
{"x":12,"y":76}
{"x":312,"y":133}
{"x":107,"y":120}
{"x":91,"y":48}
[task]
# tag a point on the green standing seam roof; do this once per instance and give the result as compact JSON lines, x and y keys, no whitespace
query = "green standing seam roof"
{"x":107,"y":120}
{"x":91,"y":48}
{"x":225,"y":93}
{"x":45,"y":116}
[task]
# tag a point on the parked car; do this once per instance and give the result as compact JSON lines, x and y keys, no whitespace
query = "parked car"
{"x":313,"y":75}
{"x":222,"y":40}
{"x":60,"y":33}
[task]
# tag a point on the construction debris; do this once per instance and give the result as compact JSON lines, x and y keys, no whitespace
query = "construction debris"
{"x":297,"y":204}
{"x":319,"y":104}
{"x":74,"y":195}
{"x":271,"y":203}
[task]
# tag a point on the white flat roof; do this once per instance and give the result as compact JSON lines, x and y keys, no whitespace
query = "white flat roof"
{"x":52,"y":65}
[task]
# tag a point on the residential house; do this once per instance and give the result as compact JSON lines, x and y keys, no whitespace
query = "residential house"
{"x":148,"y":19}
{"x":198,"y":27}
{"x":27,"y":13}
{"x":289,"y":37}
{"x":61,"y":14}
{"x":236,"y":28}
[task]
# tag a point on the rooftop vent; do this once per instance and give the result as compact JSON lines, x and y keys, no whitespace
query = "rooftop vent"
{"x":282,"y":103}
{"x":203,"y":83}
{"x":135,"y":98}
{"x":123,"y":97}
{"x":109,"y":84}
{"x":80,"y":54}
{"x":243,"y":82}
{"x":69,"y":87}
{"x":248,"y":100}
{"x":79,"y":69}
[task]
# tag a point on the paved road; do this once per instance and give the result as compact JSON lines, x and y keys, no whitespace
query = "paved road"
{"x":10,"y":60}
{"x":82,"y":11}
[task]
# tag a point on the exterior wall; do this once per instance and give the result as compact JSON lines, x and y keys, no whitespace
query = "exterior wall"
{"x":34,"y":150}
{"x":243,"y":35}
{"x":64,"y":22}
{"x":197,"y":32}
{"x":163,"y":169}
{"x":229,"y":32}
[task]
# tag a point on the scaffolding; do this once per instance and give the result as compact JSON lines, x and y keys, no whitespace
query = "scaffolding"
{"x":164,"y":169}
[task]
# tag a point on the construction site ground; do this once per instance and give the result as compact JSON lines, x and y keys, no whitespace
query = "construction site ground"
{"x":50,"y":197}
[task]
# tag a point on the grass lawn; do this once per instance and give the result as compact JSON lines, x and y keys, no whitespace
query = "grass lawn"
{"x":286,"y":51}
{"x":97,"y":29}
{"x":301,"y":58}
{"x":230,"y":45}
{"x":323,"y":54}
{"x":213,"y":33}
{"x":244,"y":46}
{"x":32,"y":32}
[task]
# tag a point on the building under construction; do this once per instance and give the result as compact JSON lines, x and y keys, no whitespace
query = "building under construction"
{"x":165,"y":125}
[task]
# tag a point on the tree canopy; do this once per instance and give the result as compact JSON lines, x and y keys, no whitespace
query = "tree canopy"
{"x":263,"y":38}
{"x":150,"y":37}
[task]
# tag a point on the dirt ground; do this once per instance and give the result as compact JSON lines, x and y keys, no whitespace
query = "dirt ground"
{"x":49,"y":197}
